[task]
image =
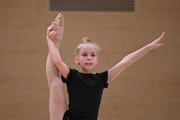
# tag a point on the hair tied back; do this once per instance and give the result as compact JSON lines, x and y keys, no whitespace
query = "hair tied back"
{"x":86,"y":40}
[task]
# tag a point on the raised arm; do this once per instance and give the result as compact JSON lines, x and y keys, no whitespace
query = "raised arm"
{"x":53,"y":51}
{"x":133,"y":57}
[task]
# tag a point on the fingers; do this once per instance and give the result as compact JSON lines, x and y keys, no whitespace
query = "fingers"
{"x":161,"y":37}
{"x":159,"y":40}
{"x":52,"y":27}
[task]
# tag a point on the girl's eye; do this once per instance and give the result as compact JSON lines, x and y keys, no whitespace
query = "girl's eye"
{"x":93,"y":55}
{"x":84,"y":54}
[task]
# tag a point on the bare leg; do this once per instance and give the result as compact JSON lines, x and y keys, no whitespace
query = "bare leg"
{"x":57,"y":101}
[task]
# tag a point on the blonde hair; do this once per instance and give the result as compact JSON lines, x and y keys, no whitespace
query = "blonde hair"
{"x":87,"y":40}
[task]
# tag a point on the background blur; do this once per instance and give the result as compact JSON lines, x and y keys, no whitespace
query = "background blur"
{"x":147,"y":90}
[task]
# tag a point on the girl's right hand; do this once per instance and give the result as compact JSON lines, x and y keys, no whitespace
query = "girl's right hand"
{"x":51,"y":31}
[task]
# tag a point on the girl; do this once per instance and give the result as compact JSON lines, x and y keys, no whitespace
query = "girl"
{"x":84,"y":87}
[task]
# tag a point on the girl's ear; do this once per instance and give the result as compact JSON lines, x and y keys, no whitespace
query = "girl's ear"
{"x":76,"y":60}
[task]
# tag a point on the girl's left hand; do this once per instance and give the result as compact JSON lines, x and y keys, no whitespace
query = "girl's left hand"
{"x":157,"y":43}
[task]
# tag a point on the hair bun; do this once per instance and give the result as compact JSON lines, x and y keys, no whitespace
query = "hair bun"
{"x":86,"y":40}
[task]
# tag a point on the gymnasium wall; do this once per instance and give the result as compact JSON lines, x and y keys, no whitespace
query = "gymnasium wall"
{"x":147,"y":90}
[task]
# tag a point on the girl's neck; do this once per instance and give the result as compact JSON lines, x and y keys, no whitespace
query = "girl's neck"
{"x":86,"y":71}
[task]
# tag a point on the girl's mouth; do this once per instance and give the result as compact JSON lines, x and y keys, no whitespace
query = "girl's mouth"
{"x":88,"y":64}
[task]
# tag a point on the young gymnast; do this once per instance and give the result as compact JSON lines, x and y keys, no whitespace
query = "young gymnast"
{"x":84,"y":87}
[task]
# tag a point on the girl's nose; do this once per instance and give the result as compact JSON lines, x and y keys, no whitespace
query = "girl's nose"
{"x":89,"y":58}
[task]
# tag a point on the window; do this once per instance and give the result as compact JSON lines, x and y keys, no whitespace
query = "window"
{"x":93,"y":5}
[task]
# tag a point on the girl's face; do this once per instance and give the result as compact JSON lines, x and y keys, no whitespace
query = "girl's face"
{"x":87,"y":58}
